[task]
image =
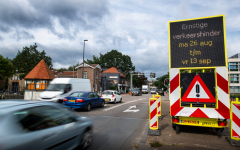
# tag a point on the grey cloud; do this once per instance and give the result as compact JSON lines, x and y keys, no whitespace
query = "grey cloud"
{"x":77,"y":14}
{"x":22,"y":34}
{"x":1,"y":38}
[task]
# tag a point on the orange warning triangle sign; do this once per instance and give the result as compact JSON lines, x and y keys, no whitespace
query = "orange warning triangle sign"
{"x":202,"y":95}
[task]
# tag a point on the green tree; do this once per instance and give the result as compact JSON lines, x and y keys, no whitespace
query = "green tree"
{"x":28,"y":58}
{"x":138,"y":81}
{"x":114,"y":59}
{"x":6,"y":68}
{"x":159,"y":83}
{"x":5,"y":86}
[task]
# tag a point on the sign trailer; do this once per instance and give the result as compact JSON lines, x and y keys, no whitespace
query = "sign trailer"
{"x":199,"y":94}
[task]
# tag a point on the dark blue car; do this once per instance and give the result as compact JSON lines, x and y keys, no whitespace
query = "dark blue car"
{"x":85,"y":100}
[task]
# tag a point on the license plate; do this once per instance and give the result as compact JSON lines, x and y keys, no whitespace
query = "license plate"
{"x":135,"y":94}
{"x":207,"y":123}
{"x":189,"y":122}
{"x":106,"y":99}
{"x":72,"y":101}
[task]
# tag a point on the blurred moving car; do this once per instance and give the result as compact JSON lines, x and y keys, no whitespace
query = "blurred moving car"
{"x":111,"y":96}
{"x":81,"y":99}
{"x":137,"y":91}
{"x":160,"y":92}
{"x":153,"y":91}
{"x":37,"y":125}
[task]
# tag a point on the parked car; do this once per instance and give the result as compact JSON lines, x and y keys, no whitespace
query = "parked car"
{"x":137,"y":91}
{"x":160,"y":92}
{"x":111,"y":96}
{"x":38,"y":125}
{"x":81,"y":99}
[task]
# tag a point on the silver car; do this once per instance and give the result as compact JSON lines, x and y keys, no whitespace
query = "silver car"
{"x":37,"y":125}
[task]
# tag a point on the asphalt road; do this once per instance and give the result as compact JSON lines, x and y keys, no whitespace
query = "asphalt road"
{"x":116,"y":127}
{"x":121,"y":125}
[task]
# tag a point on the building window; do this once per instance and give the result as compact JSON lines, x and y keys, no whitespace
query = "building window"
{"x":234,"y":89}
{"x":85,"y":75}
{"x":96,"y":76}
{"x":234,"y":66}
{"x":234,"y":78}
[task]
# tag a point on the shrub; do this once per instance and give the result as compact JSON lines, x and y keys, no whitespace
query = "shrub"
{"x":112,"y":87}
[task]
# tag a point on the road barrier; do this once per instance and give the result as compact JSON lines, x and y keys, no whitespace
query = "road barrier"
{"x":159,"y":106}
{"x":153,"y":116}
{"x":235,"y":123}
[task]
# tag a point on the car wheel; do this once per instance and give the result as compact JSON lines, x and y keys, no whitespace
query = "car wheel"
{"x":114,"y":101}
{"x":87,"y":139}
{"x":132,"y":94}
{"x":88,"y":107}
{"x":102,"y":104}
{"x":120,"y":100}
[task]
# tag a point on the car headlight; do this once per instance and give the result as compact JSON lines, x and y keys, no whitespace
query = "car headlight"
{"x":57,"y":96}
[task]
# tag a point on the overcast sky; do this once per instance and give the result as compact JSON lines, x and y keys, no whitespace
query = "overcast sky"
{"x":137,"y":28}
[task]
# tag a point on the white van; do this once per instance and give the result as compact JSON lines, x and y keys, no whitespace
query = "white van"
{"x":62,"y":87}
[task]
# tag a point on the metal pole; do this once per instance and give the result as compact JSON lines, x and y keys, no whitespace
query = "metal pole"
{"x":83,"y":59}
{"x":131,"y":81}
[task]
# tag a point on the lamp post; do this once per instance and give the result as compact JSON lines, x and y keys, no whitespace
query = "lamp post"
{"x":83,"y":58}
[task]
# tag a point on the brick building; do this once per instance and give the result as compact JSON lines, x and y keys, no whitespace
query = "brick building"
{"x":91,"y":72}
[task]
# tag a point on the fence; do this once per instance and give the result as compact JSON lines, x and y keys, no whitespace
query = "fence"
{"x":12,"y":92}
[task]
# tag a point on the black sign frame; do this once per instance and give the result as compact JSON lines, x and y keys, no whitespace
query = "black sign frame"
{"x":197,"y":43}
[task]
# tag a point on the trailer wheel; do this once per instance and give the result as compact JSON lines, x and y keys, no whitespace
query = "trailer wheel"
{"x":174,"y":126}
{"x":219,"y":131}
{"x":177,"y":129}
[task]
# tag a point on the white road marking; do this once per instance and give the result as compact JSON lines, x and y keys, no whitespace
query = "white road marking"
{"x":128,"y":110}
{"x":123,"y":104}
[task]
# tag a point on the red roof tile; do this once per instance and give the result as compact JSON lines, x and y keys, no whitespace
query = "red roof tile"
{"x":40,"y":71}
{"x":68,"y":73}
{"x":113,"y":70}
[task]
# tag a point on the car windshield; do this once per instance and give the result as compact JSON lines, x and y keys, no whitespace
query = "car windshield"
{"x":144,"y":89}
{"x":56,"y":87}
{"x":107,"y":92}
{"x":153,"y":89}
{"x":77,"y":94}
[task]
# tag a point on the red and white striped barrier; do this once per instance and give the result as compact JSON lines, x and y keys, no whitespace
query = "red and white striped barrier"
{"x":235,"y":121}
{"x":159,"y":104}
{"x":222,"y":112}
{"x":153,"y":115}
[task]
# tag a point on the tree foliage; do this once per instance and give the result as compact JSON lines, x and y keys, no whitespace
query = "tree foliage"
{"x":159,"y":83}
{"x":28,"y":58}
{"x":6,"y":68}
{"x":138,"y":81}
{"x":114,"y":59}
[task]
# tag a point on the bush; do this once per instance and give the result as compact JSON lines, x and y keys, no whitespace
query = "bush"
{"x":112,"y":87}
{"x":156,"y":144}
{"x":127,"y":91}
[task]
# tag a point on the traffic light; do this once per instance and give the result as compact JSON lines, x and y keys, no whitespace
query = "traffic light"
{"x":152,"y":75}
{"x":166,"y":82}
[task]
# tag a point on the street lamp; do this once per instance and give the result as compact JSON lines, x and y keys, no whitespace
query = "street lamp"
{"x":83,"y":58}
